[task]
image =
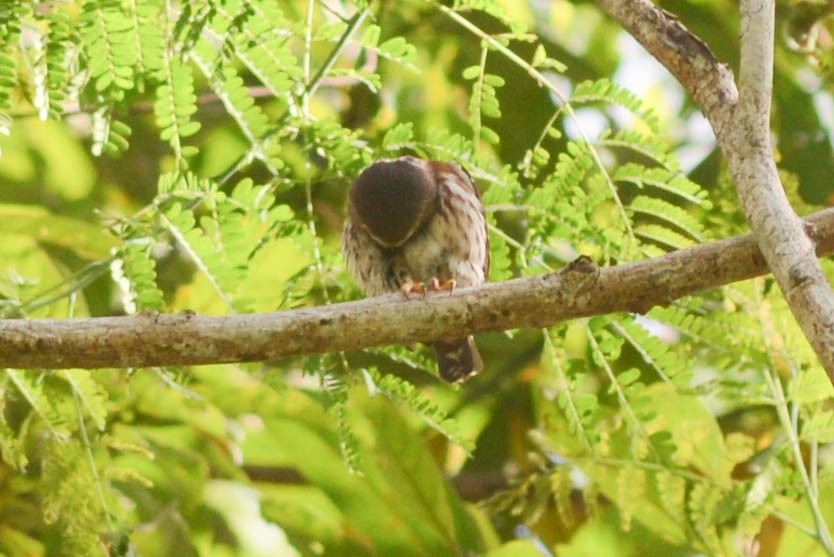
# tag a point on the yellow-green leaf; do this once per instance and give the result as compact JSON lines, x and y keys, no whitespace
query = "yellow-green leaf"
{"x":87,"y":240}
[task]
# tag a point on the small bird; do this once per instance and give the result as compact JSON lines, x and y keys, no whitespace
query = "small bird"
{"x":413,"y":222}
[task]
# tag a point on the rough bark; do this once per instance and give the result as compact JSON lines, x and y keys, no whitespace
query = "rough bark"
{"x":582,"y":289}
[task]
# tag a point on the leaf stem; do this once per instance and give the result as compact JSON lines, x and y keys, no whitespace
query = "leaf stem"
{"x":88,"y":450}
{"x":822,"y":534}
{"x":570,"y":406}
{"x":636,"y":424}
{"x":354,"y":24}
{"x":477,"y":93}
{"x":308,"y":55}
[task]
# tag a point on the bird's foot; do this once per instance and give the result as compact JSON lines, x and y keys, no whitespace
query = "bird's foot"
{"x":438,"y":286}
{"x":410,"y":287}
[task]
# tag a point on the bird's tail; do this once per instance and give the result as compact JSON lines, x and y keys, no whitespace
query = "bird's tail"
{"x":457,"y":360}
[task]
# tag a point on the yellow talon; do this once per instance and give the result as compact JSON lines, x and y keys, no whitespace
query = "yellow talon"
{"x":410,"y":287}
{"x":448,"y":285}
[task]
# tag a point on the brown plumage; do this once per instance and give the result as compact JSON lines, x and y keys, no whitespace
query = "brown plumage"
{"x":411,"y":221}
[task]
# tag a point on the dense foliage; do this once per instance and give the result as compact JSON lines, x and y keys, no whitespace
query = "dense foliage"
{"x":172,"y":156}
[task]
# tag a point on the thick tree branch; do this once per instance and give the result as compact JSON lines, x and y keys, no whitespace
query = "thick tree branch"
{"x":151,"y":339}
{"x":686,"y":56}
{"x":788,"y":245}
{"x":742,"y":128}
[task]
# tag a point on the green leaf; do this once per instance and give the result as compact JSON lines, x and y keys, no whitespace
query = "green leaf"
{"x":819,"y":427}
{"x":14,"y":542}
{"x":489,"y":135}
{"x":606,"y":90}
{"x":695,"y":432}
{"x":539,"y":56}
{"x":810,"y":386}
{"x":398,"y":136}
{"x":672,"y":215}
{"x":371,"y":36}
{"x":628,"y":377}
{"x":399,"y":50}
{"x":32,"y":391}
{"x":87,"y":240}
{"x":494,"y":80}
{"x":471,"y":72}
{"x":330,"y":30}
{"x":91,"y":395}
{"x":397,"y":389}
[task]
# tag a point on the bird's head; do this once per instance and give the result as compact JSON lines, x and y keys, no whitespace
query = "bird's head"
{"x":393,"y":199}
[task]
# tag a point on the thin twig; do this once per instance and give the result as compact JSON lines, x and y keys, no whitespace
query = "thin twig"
{"x":354,"y":24}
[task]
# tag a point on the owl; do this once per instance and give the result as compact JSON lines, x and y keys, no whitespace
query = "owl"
{"x":415,"y":223}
